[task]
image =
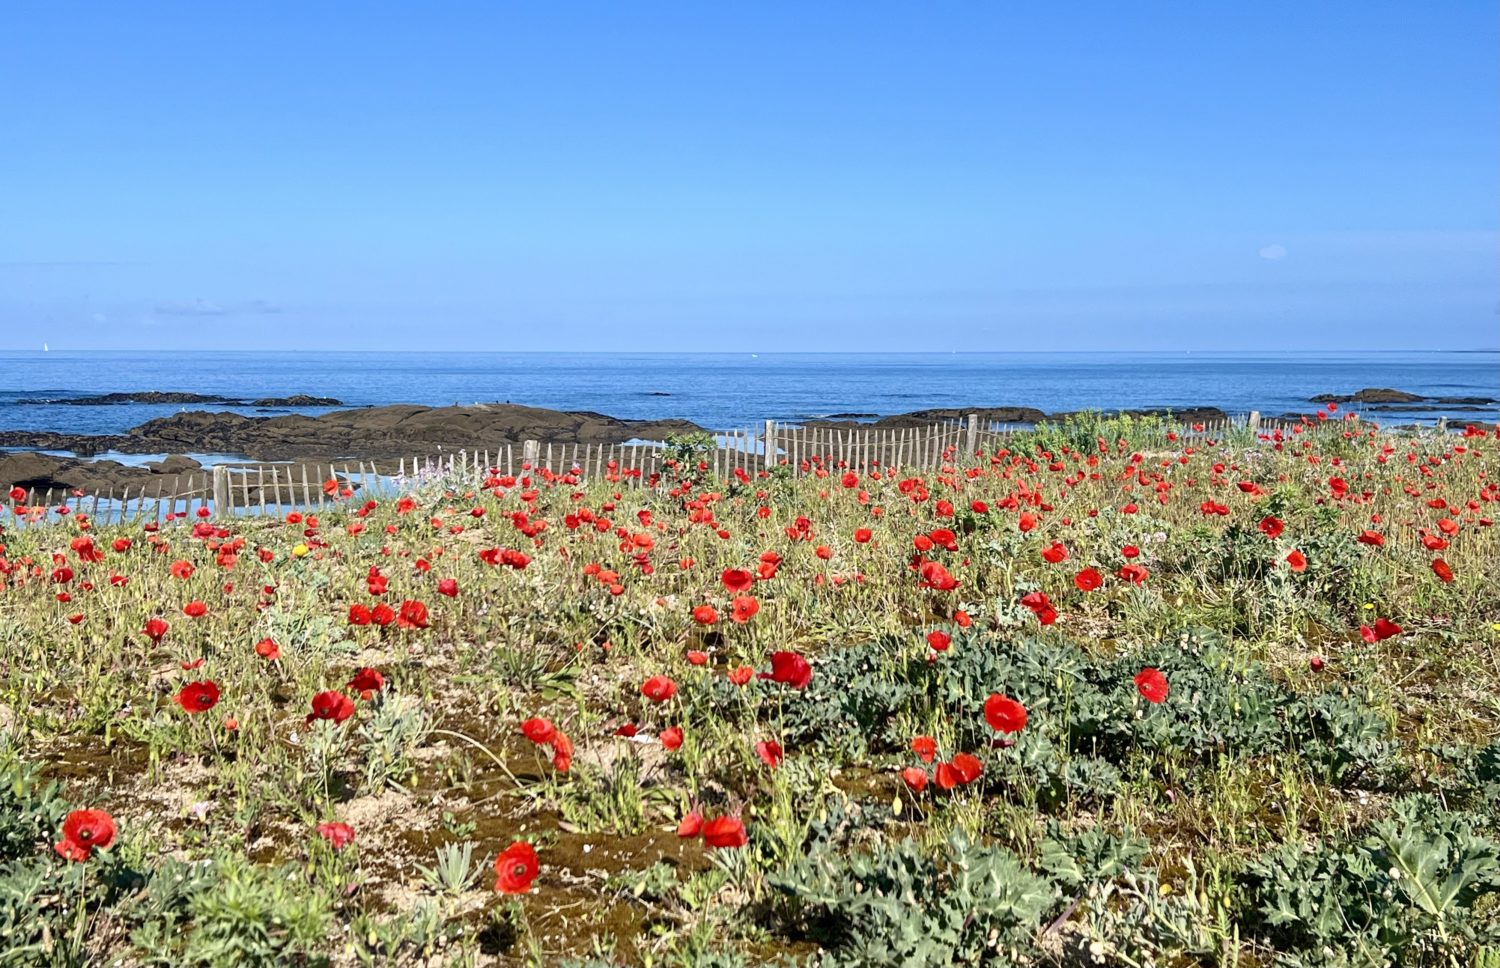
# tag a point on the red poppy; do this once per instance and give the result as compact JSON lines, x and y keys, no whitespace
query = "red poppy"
{"x":1151,"y":684}
{"x":863,"y":535}
{"x":925,"y":748}
{"x":382,"y":615}
{"x":915,"y":779}
{"x":790,"y":669}
{"x":946,"y":776}
{"x":366,"y":681}
{"x":195,"y":609}
{"x":515,"y":868}
{"x":770,"y":752}
{"x":1297,"y":561}
{"x":1374,"y":538}
{"x":1271,"y":527}
{"x":725,"y":832}
{"x":562,"y":752}
{"x":448,"y":587}
{"x":691,"y":825}
{"x":939,"y":640}
{"x":745,"y":607}
{"x":198,"y":697}
{"x":268,"y":649}
{"x":359,"y":615}
{"x":741,"y":675}
{"x":850,"y":480}
{"x":671,"y":737}
{"x":1088,"y":579}
{"x":697,"y":657}
{"x":659,"y":688}
{"x":1384,"y":629}
{"x":413,"y":615}
{"x":1056,"y":553}
{"x":84,"y":830}
{"x":155,"y":629}
{"x":968,"y":767}
{"x":540,"y":731}
{"x":338,"y":835}
{"x":705,"y":615}
{"x":331,"y":705}
{"x":1441,"y":569}
{"x":182,"y":569}
{"x":1004,"y":714}
{"x":737,"y":580}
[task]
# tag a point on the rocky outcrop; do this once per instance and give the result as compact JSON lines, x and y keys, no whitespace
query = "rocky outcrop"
{"x":370,"y":433}
{"x":1385,"y":395}
{"x":175,"y":398}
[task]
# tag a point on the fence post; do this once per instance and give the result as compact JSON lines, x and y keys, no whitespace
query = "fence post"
{"x":223,"y":503}
{"x":1442,"y":424}
{"x":971,"y":436}
{"x":531,"y":451}
{"x":770,"y":447}
{"x":1253,"y":422}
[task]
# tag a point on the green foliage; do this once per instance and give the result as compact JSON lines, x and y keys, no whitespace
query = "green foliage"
{"x":1419,"y":889}
{"x":1082,"y":432}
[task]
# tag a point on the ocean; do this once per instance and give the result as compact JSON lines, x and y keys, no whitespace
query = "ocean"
{"x":726,"y":390}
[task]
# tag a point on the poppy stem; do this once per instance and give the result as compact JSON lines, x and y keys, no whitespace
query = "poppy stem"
{"x":482,"y":748}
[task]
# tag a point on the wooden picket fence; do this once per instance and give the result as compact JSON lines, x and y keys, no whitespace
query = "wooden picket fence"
{"x":272,"y":490}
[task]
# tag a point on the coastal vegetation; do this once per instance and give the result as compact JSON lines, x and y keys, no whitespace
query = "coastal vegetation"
{"x":1108,"y":694}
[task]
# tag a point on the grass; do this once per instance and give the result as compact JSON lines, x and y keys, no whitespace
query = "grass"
{"x":1301,"y":796}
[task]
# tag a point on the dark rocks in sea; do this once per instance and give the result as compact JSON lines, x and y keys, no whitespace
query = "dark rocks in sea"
{"x":1385,"y":395}
{"x":175,"y":398}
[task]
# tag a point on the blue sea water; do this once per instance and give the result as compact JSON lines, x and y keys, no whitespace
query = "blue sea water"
{"x":721,"y":391}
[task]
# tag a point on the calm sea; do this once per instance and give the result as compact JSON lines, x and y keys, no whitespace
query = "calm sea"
{"x":732,"y":390}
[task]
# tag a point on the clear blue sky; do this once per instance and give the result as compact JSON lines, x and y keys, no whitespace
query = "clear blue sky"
{"x":756,"y":176}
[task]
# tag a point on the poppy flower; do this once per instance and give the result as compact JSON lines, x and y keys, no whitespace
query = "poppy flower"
{"x":195,"y":609}
{"x":84,"y":830}
{"x":1297,"y":561}
{"x":1384,"y":629}
{"x":413,"y":615}
{"x":562,"y":752}
{"x":741,"y":675}
{"x":366,"y":681}
{"x":155,"y":629}
{"x":359,"y":615}
{"x":1088,"y":580}
{"x":968,"y":767}
{"x":539,"y":730}
{"x":915,"y":779}
{"x":448,"y":587}
{"x":1440,"y":568}
{"x":939,"y":640}
{"x":516,"y":868}
{"x":745,"y":607}
{"x":1374,"y":538}
{"x":790,"y":669}
{"x":198,"y":697}
{"x":1056,"y":553}
{"x":659,"y":688}
{"x":725,"y":832}
{"x":182,"y":569}
{"x":671,"y":737}
{"x":268,"y":649}
{"x":863,"y":535}
{"x":737,"y":580}
{"x":697,"y":657}
{"x":1271,"y":527}
{"x":331,"y":705}
{"x":1004,"y":714}
{"x":770,"y":752}
{"x":925,"y":748}
{"x":705,"y":615}
{"x":947,"y":776}
{"x":691,"y":825}
{"x":1151,"y":684}
{"x":850,"y":480}
{"x":338,"y":835}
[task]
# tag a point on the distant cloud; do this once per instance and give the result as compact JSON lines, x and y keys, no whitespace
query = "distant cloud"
{"x":203,"y":307}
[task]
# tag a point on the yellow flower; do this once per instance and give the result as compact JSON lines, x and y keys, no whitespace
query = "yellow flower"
{"x":1369,"y":606}
{"x":300,"y":551}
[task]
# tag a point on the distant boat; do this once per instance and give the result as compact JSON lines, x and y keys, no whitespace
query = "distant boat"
{"x":44,"y":348}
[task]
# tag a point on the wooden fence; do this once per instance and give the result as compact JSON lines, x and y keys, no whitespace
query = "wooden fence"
{"x":275,"y":489}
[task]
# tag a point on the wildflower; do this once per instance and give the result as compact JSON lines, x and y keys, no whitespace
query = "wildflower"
{"x":268,"y":649}
{"x":770,"y":752}
{"x":539,"y":730}
{"x":659,"y":688}
{"x":745,"y":607}
{"x":84,"y":830}
{"x":198,"y":697}
{"x":790,"y":669}
{"x":516,"y":868}
{"x":915,"y":779}
{"x":331,"y":705}
{"x":1151,"y":684}
{"x":671,"y":737}
{"x":366,"y":682}
{"x":1004,"y":714}
{"x":1297,"y":561}
{"x":737,"y":580}
{"x":725,"y":832}
{"x":925,"y":748}
{"x":1088,"y":580}
{"x":338,"y":835}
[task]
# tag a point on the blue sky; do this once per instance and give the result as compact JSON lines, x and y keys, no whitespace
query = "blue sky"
{"x":756,"y":176}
